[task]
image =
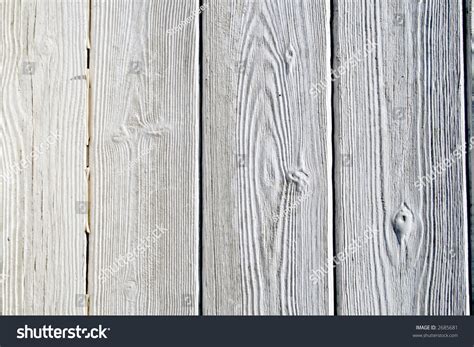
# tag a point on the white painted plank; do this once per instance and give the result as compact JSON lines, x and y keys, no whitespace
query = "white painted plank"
{"x":144,"y":158}
{"x":267,"y":193}
{"x":469,"y":29}
{"x":42,"y":162}
{"x":399,"y":113}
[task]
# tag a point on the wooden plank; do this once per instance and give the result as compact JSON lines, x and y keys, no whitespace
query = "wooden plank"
{"x":42,"y":166}
{"x":266,"y":194}
{"x":469,"y":40}
{"x":400,"y":215}
{"x":144,"y":158}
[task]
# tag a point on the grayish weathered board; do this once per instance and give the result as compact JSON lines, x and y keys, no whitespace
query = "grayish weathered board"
{"x":42,"y":164}
{"x":144,"y":158}
{"x":398,"y":113}
{"x":267,"y":193}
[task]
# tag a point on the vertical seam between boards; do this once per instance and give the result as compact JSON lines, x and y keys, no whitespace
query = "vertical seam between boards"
{"x":200,"y":157}
{"x":332,"y":152}
{"x":89,"y":132}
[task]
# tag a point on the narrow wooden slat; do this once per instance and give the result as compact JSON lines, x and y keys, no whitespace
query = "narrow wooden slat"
{"x":143,"y":160}
{"x":42,"y":163}
{"x":469,"y":10}
{"x":266,"y":194}
{"x":398,"y":115}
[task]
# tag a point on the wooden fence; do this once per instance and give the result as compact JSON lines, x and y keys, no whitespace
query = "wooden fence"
{"x":235,"y":157}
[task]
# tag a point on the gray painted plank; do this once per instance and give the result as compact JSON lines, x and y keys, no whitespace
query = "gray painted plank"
{"x":266,"y":169}
{"x":42,"y":163}
{"x":398,"y":114}
{"x":144,"y":150}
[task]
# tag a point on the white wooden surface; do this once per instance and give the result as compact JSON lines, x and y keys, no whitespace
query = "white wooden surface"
{"x":117,"y":174}
{"x":144,"y":158}
{"x":397,"y":114}
{"x":469,"y":49}
{"x":266,"y":194}
{"x":42,"y":146}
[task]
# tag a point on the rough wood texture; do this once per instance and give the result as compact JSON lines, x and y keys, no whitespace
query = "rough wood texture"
{"x":144,"y":158}
{"x":398,"y":113}
{"x":266,"y":193}
{"x":101,"y":167}
{"x":469,"y":49}
{"x":42,"y":163}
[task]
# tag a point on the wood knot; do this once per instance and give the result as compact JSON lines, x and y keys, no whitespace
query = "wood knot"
{"x":403,"y":223}
{"x":130,"y":290}
{"x":300,"y":178}
{"x":135,"y":127}
{"x":289,"y":58}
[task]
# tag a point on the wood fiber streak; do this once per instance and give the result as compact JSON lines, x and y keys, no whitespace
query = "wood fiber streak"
{"x":398,"y":114}
{"x":42,"y":161}
{"x":469,"y":49}
{"x":266,"y":191}
{"x":144,"y":151}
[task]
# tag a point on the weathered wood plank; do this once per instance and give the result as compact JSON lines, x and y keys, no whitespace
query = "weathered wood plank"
{"x":42,"y":163}
{"x":266,"y":194}
{"x":398,"y":114}
{"x":144,"y":150}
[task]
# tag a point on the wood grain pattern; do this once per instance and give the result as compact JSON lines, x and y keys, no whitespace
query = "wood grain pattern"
{"x":104,"y":171}
{"x":398,"y":114}
{"x":267,"y":193}
{"x":42,"y":163}
{"x":144,"y":158}
{"x":469,"y":50}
